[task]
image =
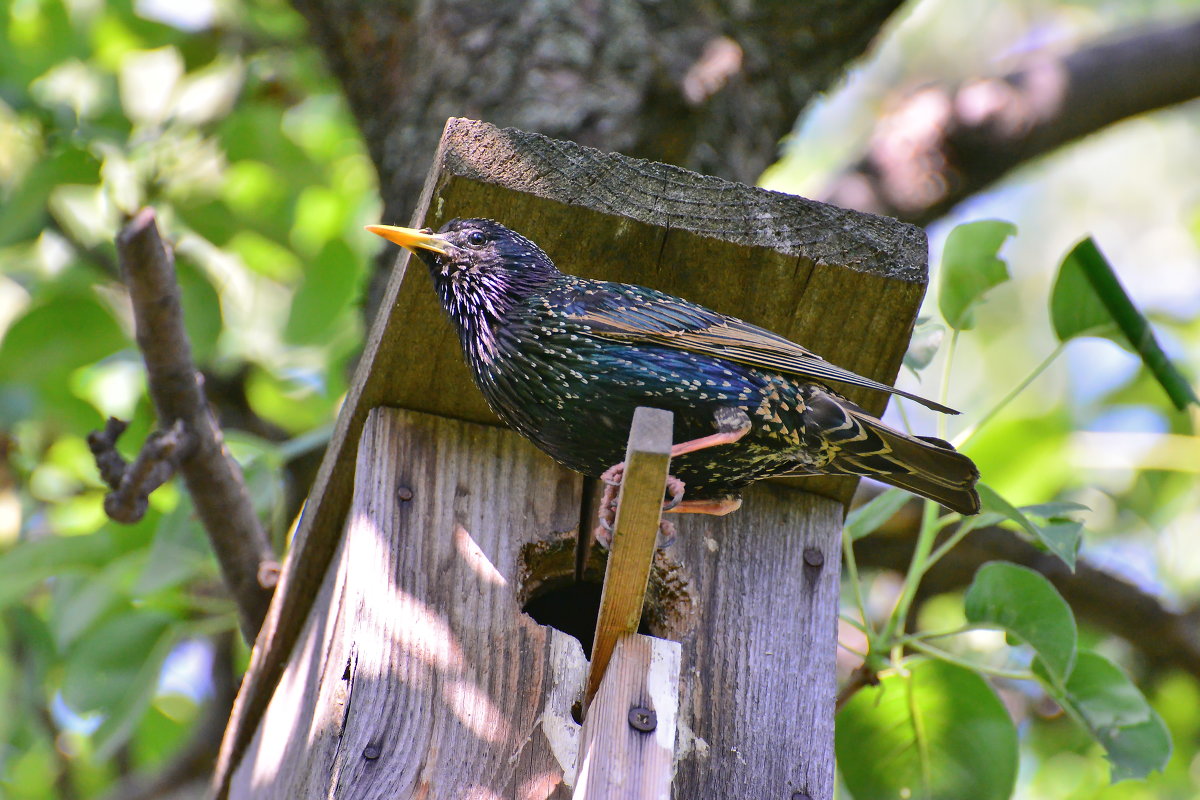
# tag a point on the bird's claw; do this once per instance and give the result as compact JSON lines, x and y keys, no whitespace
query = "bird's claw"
{"x":606,"y":517}
{"x":675,"y":487}
{"x":614,"y":474}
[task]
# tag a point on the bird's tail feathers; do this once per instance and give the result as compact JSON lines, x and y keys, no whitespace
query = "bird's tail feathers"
{"x":923,"y":465}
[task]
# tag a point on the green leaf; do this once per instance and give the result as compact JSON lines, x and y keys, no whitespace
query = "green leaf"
{"x":870,"y":515}
{"x":123,"y":714}
{"x":923,"y":346}
{"x":25,"y":208}
{"x":1075,"y":308}
{"x":1088,"y":300}
{"x":201,"y":310}
{"x":330,"y":285}
{"x":936,"y":733}
{"x":54,"y":337}
{"x":1062,"y":539}
{"x":1115,"y":713}
{"x":981,"y":520}
{"x":971,"y":266}
{"x":103,"y":664}
{"x":1025,"y":604}
{"x":80,"y":600}
{"x":179,"y":553}
{"x":1055,"y":510}
{"x":29,"y":563}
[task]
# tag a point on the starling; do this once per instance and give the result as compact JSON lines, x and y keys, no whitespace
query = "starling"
{"x":565,"y":361}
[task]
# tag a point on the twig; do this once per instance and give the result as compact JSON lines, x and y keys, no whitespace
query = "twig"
{"x":862,"y":677}
{"x":213,"y":478}
{"x":155,"y":465}
{"x":103,"y":445}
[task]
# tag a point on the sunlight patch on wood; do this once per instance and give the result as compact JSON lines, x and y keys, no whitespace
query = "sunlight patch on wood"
{"x":476,"y":559}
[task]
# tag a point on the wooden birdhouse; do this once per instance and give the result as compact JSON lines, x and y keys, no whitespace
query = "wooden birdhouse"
{"x":404,"y":655}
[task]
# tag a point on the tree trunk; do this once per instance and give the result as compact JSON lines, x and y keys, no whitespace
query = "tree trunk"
{"x":712,"y":87}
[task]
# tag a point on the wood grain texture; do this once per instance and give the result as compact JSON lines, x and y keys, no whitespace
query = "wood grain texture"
{"x":418,"y":675}
{"x":635,"y":533}
{"x":616,"y":760}
{"x":845,"y":284}
{"x":756,"y":713}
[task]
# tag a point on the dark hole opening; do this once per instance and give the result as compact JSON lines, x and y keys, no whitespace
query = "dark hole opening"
{"x":571,"y":607}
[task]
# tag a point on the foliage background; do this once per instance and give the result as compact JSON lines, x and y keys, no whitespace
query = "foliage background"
{"x":222,"y":115}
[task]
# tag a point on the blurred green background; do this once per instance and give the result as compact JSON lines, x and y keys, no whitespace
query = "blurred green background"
{"x":222,"y":116}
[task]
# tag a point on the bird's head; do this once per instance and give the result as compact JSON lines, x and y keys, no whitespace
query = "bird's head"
{"x":479,"y":267}
{"x":471,"y":248}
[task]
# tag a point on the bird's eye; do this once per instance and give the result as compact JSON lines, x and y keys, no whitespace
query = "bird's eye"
{"x":476,"y":239}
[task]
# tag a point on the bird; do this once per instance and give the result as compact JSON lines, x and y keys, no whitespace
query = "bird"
{"x":565,"y":361}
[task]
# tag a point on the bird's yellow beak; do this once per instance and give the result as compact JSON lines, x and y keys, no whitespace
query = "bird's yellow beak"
{"x":411,"y":238}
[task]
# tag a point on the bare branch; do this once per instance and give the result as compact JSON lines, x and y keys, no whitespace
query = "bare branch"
{"x":942,"y":144}
{"x":213,"y":478}
{"x":155,"y":465}
{"x":103,"y":445}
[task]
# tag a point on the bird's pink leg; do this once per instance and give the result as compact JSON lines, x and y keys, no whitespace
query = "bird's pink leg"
{"x":732,"y":425}
{"x":717,"y":508}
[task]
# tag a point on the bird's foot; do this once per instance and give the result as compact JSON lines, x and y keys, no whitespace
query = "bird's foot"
{"x":675,"y":488}
{"x":614,"y":474}
{"x":606,"y":516}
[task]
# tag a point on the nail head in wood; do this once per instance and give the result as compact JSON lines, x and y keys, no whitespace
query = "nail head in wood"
{"x":813,"y":557}
{"x":643,"y":719}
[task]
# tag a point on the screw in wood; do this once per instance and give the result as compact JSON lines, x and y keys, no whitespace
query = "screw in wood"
{"x":404,"y":493}
{"x":371,"y":752}
{"x":801,"y":796}
{"x":642,"y":719}
{"x":813,"y":557}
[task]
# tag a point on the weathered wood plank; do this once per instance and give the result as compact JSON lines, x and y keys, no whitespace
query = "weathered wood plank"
{"x":845,"y":284}
{"x":756,"y":712}
{"x":418,"y":675}
{"x":621,"y":760}
{"x":635,"y":533}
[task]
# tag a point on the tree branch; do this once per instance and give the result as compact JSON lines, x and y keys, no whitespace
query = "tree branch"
{"x":1163,"y":638}
{"x":213,"y":478}
{"x":942,"y":144}
{"x":132,"y":484}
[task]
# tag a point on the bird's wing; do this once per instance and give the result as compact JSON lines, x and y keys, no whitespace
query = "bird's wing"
{"x":636,"y":315}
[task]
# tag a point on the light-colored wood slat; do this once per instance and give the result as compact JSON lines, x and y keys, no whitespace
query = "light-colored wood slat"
{"x":418,"y":676}
{"x":627,"y":747}
{"x":635,"y":532}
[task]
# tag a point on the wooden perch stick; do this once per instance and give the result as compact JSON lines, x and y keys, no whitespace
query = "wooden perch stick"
{"x":639,"y":509}
{"x":213,"y":478}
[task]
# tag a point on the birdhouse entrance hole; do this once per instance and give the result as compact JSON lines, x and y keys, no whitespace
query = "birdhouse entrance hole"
{"x":557,"y":593}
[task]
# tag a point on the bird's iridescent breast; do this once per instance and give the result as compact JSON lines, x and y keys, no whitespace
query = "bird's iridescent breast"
{"x":573,"y":392}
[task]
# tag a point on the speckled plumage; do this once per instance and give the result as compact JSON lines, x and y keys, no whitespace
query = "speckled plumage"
{"x":566,"y":360}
